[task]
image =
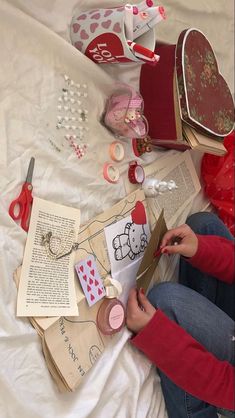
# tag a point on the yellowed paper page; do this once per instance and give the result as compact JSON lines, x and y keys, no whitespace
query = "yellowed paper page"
{"x":46,"y":285}
{"x":180,"y":169}
{"x":75,"y":343}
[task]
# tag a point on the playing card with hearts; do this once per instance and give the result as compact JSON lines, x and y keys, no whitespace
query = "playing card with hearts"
{"x":90,"y":280}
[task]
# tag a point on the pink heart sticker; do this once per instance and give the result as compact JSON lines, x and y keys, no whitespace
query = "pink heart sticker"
{"x":92,"y":272}
{"x":90,"y":281}
{"x":108,"y":13}
{"x":96,"y":16}
{"x":78,"y":45}
{"x":106,"y":24}
{"x":76,"y":27}
{"x":92,"y":297}
{"x":138,"y":215}
{"x":100,"y":291}
{"x":88,"y":288}
{"x":81,"y":17}
{"x":96,"y":283}
{"x":93,"y":11}
{"x":84,"y":34}
{"x":117,"y":28}
{"x":85,"y":277}
{"x":81,"y":269}
{"x":93,"y":27}
{"x":89,"y":263}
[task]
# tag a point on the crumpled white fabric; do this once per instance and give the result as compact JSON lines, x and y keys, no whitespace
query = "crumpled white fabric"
{"x":35,"y":52}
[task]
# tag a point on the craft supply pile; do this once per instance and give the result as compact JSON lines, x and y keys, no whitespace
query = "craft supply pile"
{"x":75,"y":278}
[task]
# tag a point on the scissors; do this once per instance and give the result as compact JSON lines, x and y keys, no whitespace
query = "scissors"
{"x":20,"y":208}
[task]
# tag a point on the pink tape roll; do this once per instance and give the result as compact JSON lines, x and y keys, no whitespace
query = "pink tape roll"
{"x":116,"y":151}
{"x":111,"y":173}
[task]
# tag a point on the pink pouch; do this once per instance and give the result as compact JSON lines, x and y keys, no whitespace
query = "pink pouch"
{"x":124,"y":114}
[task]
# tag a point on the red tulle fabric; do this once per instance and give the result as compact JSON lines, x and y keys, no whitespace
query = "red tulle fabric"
{"x":218,"y":176}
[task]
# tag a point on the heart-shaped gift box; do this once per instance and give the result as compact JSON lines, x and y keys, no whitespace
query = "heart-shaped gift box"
{"x":205,"y":99}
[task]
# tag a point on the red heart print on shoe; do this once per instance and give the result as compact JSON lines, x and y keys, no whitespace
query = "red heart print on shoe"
{"x":84,"y":34}
{"x":106,"y":47}
{"x":106,"y":24}
{"x":76,"y":27}
{"x":78,"y":45}
{"x":93,"y":27}
{"x":82,"y":17}
{"x":96,"y":16}
{"x":108,"y":13}
{"x":117,"y":28}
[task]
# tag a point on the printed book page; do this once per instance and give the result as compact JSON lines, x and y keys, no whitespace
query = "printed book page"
{"x":72,"y":345}
{"x":180,"y":168}
{"x":46,"y":285}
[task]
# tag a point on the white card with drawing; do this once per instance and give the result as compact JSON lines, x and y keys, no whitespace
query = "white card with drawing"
{"x":127,"y":239}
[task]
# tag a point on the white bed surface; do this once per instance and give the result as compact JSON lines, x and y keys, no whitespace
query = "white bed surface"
{"x":34,"y":55}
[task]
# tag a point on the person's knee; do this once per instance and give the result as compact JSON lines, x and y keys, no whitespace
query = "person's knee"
{"x":164,"y":296}
{"x":207,"y":223}
{"x":200,"y":221}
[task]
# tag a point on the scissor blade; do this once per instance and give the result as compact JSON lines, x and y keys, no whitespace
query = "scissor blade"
{"x":30,"y":171}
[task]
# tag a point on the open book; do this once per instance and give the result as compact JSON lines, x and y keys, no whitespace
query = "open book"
{"x":72,"y":344}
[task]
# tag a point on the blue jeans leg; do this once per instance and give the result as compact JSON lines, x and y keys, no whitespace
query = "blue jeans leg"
{"x":207,"y":324}
{"x":218,"y":292}
{"x":187,"y":310}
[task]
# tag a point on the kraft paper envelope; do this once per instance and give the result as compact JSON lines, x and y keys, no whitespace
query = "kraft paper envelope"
{"x":149,"y":261}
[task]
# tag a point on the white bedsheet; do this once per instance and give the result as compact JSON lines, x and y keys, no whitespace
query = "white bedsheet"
{"x":35,"y":53}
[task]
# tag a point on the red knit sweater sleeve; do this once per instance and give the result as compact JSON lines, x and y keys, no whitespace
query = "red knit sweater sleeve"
{"x":199,"y":372}
{"x":215,"y":256}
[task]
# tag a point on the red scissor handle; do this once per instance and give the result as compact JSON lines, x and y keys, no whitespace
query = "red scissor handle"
{"x":20,"y":208}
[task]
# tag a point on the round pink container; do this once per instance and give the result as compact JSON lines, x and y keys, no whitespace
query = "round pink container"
{"x":110,"y":316}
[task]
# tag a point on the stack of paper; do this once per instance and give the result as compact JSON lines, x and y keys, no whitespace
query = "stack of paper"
{"x":49,"y":292}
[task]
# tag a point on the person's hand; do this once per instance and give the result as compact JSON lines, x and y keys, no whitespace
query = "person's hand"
{"x":187,"y":241}
{"x":139,"y":311}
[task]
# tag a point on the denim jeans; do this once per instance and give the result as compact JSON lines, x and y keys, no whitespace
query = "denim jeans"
{"x":204,"y":307}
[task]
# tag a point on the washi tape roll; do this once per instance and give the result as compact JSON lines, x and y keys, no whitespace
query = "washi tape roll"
{"x":111,"y":173}
{"x":136,"y":173}
{"x":116,"y":151}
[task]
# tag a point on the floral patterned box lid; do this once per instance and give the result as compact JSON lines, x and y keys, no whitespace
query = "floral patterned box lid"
{"x":205,"y":99}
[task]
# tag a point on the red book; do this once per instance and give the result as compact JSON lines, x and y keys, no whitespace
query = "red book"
{"x":161,"y":105}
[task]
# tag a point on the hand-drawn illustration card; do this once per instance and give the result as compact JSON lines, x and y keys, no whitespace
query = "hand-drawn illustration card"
{"x":127,"y":239}
{"x":90,"y":280}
